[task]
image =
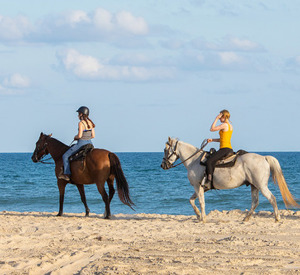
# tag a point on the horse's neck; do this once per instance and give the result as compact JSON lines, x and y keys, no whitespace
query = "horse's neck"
{"x":56,"y":149}
{"x":186,"y":150}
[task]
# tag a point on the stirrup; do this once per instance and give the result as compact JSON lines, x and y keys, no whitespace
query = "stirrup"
{"x":64,"y":177}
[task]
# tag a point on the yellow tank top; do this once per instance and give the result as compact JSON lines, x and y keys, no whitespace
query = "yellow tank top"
{"x":225,"y":137}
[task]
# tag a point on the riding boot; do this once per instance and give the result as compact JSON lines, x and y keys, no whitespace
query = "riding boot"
{"x":63,"y":176}
{"x":207,"y":183}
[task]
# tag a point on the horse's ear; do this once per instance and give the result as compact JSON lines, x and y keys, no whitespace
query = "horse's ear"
{"x":50,"y":135}
{"x":169,"y":139}
{"x":41,"y":134}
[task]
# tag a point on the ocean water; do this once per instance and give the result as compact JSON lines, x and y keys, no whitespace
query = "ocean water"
{"x":27,"y":186}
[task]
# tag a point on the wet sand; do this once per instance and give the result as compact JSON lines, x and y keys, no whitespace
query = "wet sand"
{"x":41,"y":243}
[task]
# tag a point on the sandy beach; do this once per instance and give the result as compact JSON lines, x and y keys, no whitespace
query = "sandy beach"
{"x":41,"y":243}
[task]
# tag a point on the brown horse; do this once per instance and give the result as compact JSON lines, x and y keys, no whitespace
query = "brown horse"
{"x":99,"y":166}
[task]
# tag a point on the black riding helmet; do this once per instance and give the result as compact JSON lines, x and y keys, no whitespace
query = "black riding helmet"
{"x":84,"y":110}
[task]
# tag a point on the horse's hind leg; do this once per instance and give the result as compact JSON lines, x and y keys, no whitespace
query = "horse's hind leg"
{"x":255,"y":201}
{"x":80,"y":188}
{"x":110,"y":183}
{"x":270,"y":197}
{"x":101,"y":189}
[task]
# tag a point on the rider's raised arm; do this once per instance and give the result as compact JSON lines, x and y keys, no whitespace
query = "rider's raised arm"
{"x":222,"y":126}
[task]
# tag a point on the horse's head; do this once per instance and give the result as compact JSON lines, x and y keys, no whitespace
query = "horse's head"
{"x":41,"y":148}
{"x":170,"y":155}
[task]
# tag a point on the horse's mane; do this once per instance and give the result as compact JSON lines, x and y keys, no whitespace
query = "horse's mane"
{"x":59,"y":143}
{"x":187,"y":144}
{"x":58,"y":147}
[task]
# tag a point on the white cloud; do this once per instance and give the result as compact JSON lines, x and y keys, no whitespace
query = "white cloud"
{"x":90,"y":68}
{"x":14,"y":28}
{"x":76,"y":17}
{"x":10,"y":91}
{"x":76,"y":25}
{"x":228,"y":58}
{"x":99,"y":25}
{"x":227,"y":43}
{"x":130,"y":23}
{"x":16,"y":81}
{"x":103,"y":20}
{"x":243,"y":44}
{"x":215,"y":61}
{"x":81,"y":65}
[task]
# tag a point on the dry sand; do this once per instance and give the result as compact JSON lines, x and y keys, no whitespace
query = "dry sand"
{"x":41,"y":243}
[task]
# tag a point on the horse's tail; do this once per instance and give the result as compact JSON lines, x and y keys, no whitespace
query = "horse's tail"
{"x":122,"y":185}
{"x":278,"y":178}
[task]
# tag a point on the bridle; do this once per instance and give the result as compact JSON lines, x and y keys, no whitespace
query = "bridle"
{"x":204,"y":143}
{"x":44,"y":148}
{"x":173,"y":152}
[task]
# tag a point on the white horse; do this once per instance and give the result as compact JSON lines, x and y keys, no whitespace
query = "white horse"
{"x":250,"y":169}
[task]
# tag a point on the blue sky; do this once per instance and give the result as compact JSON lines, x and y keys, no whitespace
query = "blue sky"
{"x":148,"y":70}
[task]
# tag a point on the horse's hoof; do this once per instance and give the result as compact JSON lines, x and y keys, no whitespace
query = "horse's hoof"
{"x":246,"y":219}
{"x":59,"y":215}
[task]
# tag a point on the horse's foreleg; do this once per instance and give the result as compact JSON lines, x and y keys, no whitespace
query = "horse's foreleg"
{"x":255,"y":201}
{"x":202,"y":202}
{"x":192,"y":202}
{"x":61,"y":187}
{"x":80,"y":188}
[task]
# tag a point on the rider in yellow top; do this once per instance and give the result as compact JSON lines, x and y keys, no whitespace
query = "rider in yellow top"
{"x":225,"y":131}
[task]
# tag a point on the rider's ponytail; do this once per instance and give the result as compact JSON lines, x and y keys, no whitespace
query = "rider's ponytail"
{"x":86,"y":119}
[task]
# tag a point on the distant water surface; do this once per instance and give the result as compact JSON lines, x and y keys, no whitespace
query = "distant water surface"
{"x":27,"y":186}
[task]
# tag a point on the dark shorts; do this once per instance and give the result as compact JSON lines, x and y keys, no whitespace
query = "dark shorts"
{"x":211,"y":162}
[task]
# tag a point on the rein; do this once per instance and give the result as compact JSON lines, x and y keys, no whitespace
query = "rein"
{"x":45,"y":160}
{"x":204,"y":143}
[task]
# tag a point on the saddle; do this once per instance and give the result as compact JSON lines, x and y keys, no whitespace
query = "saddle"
{"x":225,"y":162}
{"x":82,"y":153}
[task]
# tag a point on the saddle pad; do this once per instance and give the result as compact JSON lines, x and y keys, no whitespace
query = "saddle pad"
{"x":228,"y":161}
{"x":81,"y":154}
